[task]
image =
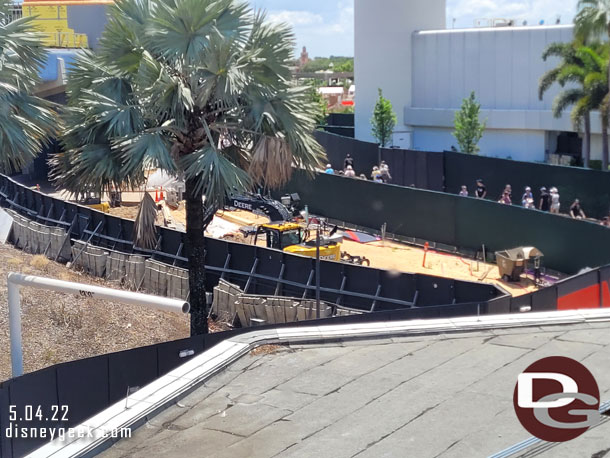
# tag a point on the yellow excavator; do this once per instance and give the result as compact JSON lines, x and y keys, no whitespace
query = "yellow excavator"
{"x":292,"y":238}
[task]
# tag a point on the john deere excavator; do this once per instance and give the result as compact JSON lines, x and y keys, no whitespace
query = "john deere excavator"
{"x":291,"y":237}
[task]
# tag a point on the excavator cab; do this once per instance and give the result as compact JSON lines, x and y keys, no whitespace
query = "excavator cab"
{"x":290,"y":237}
{"x":282,"y":235}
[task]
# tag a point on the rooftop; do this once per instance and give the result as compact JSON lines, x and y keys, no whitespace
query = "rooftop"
{"x":444,"y":395}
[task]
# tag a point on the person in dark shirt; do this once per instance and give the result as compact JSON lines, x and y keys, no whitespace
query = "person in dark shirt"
{"x":576,"y":211}
{"x":481,"y":191}
{"x":545,"y":200}
{"x":348,"y":161}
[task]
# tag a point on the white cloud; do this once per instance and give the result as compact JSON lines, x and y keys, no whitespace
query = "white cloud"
{"x":296,"y":18}
{"x":322,"y":34}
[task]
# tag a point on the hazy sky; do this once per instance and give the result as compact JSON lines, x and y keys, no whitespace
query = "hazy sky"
{"x":326,"y":27}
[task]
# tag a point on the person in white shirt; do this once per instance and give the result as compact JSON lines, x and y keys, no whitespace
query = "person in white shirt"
{"x":349,"y":172}
{"x":555,"y":204}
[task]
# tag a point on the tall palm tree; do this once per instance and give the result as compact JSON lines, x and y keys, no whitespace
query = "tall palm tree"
{"x":591,"y":23}
{"x":583,"y":66}
{"x":198,"y":88}
{"x":570,"y":68}
{"x":25,"y":120}
{"x":595,"y":60}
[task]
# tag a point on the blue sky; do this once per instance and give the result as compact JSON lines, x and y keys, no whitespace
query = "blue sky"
{"x":326,"y":26}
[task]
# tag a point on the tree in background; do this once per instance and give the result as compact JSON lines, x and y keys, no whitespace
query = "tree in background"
{"x":319,"y":104}
{"x":384,"y":120}
{"x":468,"y":127}
{"x":570,"y":69}
{"x":200,"y":89}
{"x":592,"y":23}
{"x":26,"y":121}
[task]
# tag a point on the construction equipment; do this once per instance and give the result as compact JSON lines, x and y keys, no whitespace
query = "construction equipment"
{"x":291,"y":237}
{"x":95,"y":202}
{"x":274,"y":210}
{"x":512,"y":263}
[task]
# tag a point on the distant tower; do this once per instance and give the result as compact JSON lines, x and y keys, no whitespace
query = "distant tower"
{"x":304,"y":59}
{"x":382,"y":53}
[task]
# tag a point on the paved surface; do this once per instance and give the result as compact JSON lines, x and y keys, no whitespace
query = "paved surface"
{"x":426,"y":396}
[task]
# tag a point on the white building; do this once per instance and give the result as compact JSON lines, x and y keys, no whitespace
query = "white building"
{"x":426,"y":70}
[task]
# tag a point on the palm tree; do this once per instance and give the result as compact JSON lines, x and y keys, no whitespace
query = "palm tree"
{"x":577,"y":65}
{"x":25,"y":120}
{"x":595,"y":59}
{"x":591,"y":23}
{"x":198,"y":88}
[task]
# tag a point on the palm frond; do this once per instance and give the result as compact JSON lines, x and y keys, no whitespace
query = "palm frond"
{"x":565,"y":99}
{"x":144,"y":230}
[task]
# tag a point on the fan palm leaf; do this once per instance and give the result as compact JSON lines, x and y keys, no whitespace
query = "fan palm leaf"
{"x":26,"y":121}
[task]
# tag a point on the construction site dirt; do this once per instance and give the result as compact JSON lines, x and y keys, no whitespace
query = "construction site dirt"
{"x":383,"y":254}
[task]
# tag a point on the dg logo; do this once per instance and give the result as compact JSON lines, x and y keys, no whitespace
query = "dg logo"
{"x":557,"y":399}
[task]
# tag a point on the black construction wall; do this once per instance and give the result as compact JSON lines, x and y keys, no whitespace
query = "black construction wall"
{"x":448,"y":171}
{"x":366,"y":155}
{"x":466,"y":223}
{"x":592,"y":187}
{"x":418,"y":169}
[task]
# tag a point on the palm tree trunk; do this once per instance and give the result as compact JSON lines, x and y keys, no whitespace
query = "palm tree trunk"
{"x":195,"y":249}
{"x":586,"y":142}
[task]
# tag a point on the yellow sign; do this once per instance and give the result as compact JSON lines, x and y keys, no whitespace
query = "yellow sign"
{"x":52,"y":20}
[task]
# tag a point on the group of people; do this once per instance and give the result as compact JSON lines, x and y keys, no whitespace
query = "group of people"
{"x":380,"y":173}
{"x":548,"y":201}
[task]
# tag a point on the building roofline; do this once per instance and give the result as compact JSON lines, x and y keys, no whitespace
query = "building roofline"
{"x":494,"y":29}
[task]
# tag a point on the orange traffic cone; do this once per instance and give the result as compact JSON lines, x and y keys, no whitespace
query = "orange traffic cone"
{"x":156,"y":195}
{"x":162,"y":196}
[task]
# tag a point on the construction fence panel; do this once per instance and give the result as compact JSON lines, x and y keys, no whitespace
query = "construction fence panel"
{"x":341,"y":119}
{"x":297,"y":270}
{"x":30,"y":392}
{"x":592,"y":187}
{"x":83,"y":387}
{"x":448,"y":171}
{"x":579,"y":292}
{"x":365,"y":155}
{"x":604,"y":280}
{"x":131,"y":370}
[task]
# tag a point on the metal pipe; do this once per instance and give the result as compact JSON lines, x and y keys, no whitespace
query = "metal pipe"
{"x":16,"y":280}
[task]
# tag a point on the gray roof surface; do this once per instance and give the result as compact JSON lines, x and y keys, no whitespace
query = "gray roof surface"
{"x":423,"y":396}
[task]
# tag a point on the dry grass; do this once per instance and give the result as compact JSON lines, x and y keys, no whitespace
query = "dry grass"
{"x":40,"y":262}
{"x":64,"y":327}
